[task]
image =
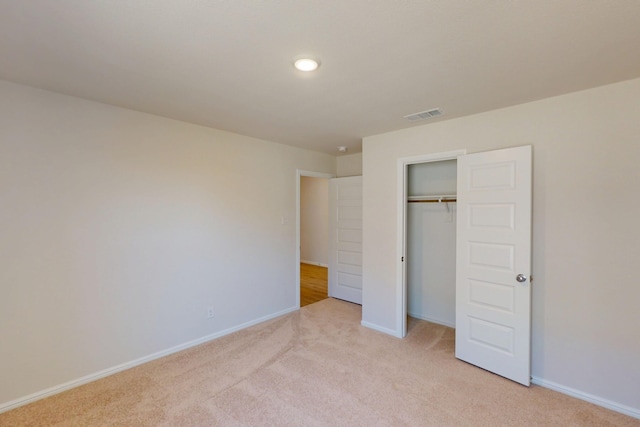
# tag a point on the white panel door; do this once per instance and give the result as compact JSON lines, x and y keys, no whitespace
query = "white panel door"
{"x":345,"y":242}
{"x":493,"y":265}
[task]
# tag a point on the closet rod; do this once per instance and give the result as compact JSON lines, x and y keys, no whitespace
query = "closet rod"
{"x":431,"y":201}
{"x":444,"y":198}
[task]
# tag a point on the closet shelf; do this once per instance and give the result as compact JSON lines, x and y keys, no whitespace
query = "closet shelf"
{"x":444,"y":198}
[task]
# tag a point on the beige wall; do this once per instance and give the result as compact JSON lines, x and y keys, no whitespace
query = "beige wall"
{"x":118,"y":229}
{"x":349,"y":165}
{"x":586,"y":152}
{"x":314,"y":220}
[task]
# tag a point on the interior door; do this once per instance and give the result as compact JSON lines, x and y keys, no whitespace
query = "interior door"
{"x":345,"y":242}
{"x":493,"y":262}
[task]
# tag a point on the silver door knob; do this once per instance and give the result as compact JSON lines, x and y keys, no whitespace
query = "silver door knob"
{"x":521,"y":278}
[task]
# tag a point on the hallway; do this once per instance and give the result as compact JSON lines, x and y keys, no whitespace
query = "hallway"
{"x":313,"y":284}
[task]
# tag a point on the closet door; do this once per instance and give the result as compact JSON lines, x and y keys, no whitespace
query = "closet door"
{"x":493,"y":265}
{"x":345,"y":243}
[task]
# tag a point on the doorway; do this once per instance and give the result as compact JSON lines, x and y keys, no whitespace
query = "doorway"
{"x":430,"y":182}
{"x":431,"y":241}
{"x":314,"y":224}
{"x":312,"y":236}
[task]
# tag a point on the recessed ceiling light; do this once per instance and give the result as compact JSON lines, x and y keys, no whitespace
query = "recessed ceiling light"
{"x":342,"y":149}
{"x":306,"y":64}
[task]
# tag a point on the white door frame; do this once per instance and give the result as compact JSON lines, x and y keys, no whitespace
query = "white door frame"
{"x":401,"y":284}
{"x":300,"y":173}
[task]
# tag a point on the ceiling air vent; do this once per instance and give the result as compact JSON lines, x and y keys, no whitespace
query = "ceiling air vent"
{"x":424,"y":115}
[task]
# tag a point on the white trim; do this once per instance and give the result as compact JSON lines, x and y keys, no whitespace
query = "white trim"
{"x":7,"y":406}
{"x":319,"y":264}
{"x":614,"y":406}
{"x":380,"y":329}
{"x":300,"y":173}
{"x":432,"y":320}
{"x":401,"y":249}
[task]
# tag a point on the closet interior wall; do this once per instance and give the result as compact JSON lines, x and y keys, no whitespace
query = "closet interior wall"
{"x":431,"y":243}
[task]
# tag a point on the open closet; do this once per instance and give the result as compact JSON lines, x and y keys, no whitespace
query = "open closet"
{"x":431,"y":241}
{"x":465,"y":227}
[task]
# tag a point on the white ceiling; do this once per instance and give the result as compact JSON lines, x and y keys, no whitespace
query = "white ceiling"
{"x":227,"y":63}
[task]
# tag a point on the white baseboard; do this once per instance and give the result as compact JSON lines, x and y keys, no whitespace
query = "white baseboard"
{"x":432,"y":320}
{"x":319,"y":264}
{"x":614,"y":406}
{"x":380,"y":329}
{"x":7,"y":406}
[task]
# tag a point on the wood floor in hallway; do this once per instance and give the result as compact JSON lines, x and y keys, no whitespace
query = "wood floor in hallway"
{"x":313,"y":284}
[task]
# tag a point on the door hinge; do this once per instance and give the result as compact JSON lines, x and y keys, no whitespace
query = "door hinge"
{"x":402,"y":259}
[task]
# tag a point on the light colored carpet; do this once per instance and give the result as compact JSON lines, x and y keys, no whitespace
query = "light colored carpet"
{"x":316,"y":367}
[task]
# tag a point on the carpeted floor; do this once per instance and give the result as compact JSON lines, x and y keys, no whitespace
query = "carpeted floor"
{"x":316,"y":367}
